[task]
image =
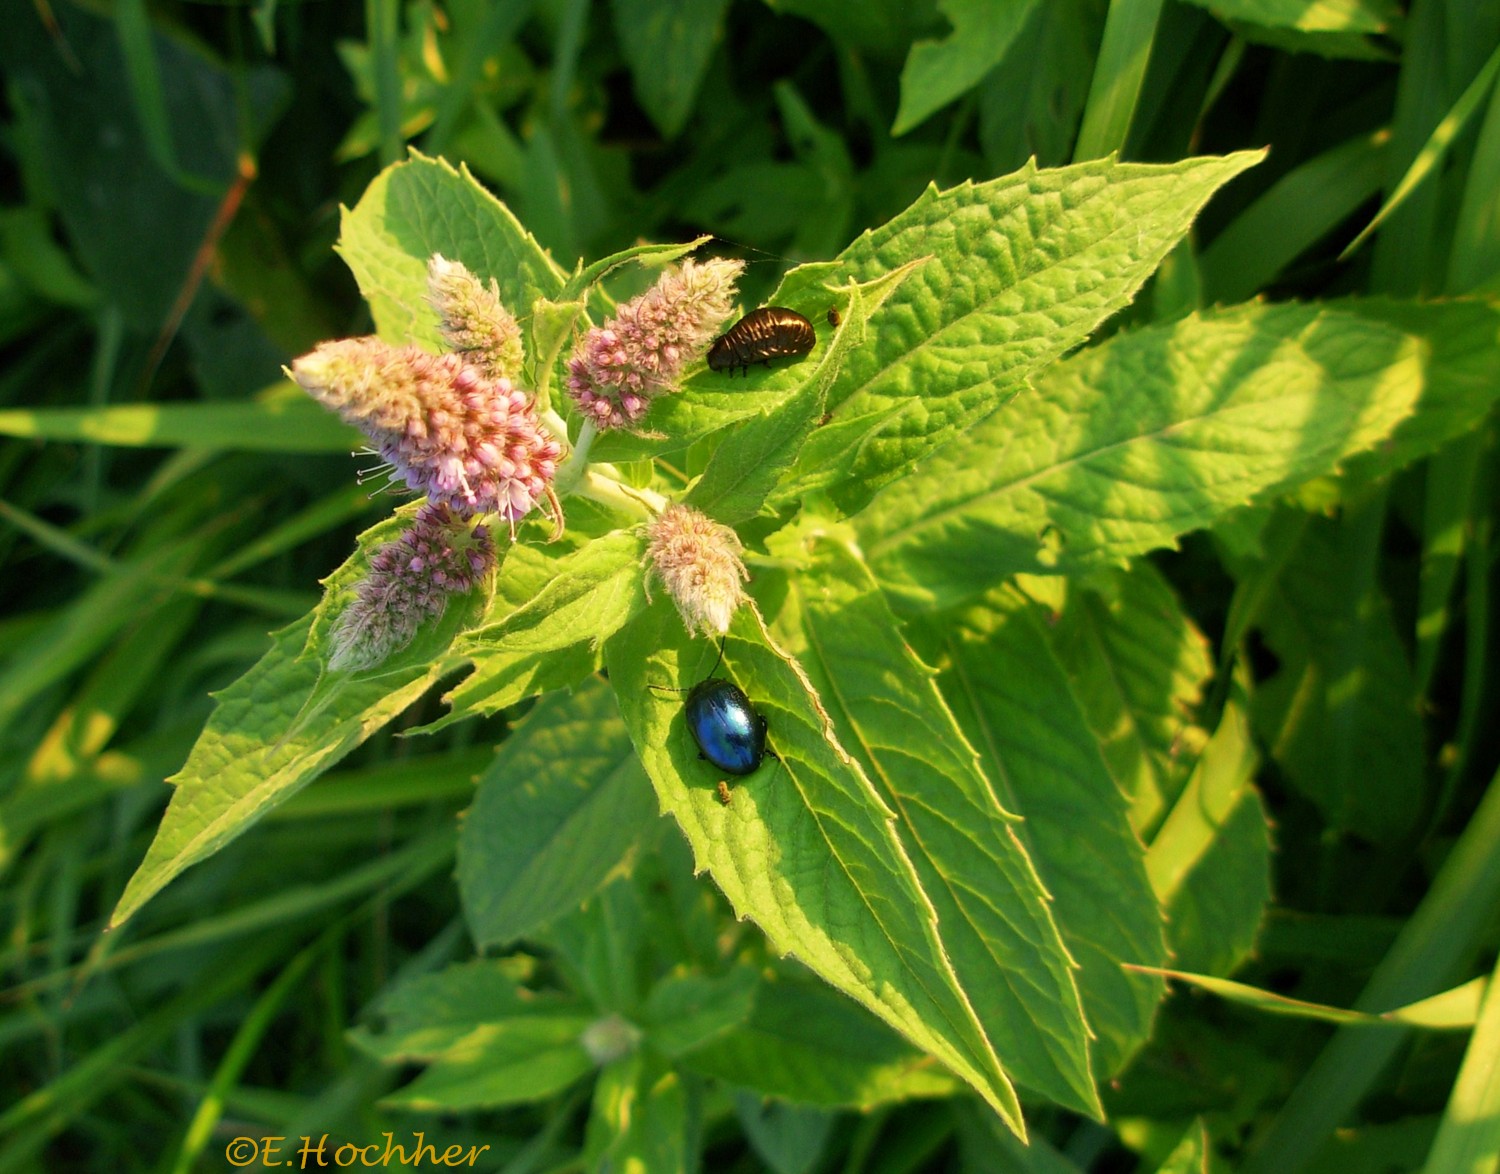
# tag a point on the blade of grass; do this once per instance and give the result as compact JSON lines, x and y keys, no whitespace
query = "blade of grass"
{"x":574,"y":16}
{"x":501,"y":22}
{"x":1475,"y":256}
{"x":1124,"y":53}
{"x":1449,"y":1011}
{"x":1469,"y":1136}
{"x":1446,"y":521}
{"x":1401,"y":262}
{"x":337,"y":508}
{"x":1451,"y":919}
{"x":242,"y":1048}
{"x":102,"y":376}
{"x":383,"y":22}
{"x":52,"y":1106}
{"x":395,"y":873}
{"x":1297,"y":211}
{"x":1435,"y":150}
{"x":1478,"y":566}
{"x":418,"y":781}
{"x":134,"y":27}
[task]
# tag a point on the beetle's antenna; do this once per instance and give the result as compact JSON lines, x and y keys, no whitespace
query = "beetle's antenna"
{"x":669,"y":689}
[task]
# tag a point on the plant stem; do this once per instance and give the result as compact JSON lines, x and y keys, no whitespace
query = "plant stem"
{"x":601,"y":483}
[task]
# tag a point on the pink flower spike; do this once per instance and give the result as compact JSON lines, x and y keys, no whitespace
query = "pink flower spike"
{"x":472,"y":320}
{"x":409,"y":582}
{"x":643,"y":348}
{"x":446,"y":430}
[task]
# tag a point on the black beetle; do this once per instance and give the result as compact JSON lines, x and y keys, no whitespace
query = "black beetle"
{"x":770,"y":332}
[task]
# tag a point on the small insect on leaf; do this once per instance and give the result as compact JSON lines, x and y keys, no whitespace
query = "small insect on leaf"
{"x":730,"y":733}
{"x":771,"y":332}
{"x":725,"y":796}
{"x":833,"y":316}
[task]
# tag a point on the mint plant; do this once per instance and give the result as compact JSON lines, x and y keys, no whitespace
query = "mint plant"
{"x":916,"y":547}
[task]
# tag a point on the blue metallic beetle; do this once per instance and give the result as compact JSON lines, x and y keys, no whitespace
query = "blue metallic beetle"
{"x":729,"y":731}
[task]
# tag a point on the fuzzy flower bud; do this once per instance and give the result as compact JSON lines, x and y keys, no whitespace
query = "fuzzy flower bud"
{"x":607,"y":1039}
{"x":468,"y":442}
{"x":474,"y":323}
{"x":699,"y":561}
{"x":619,"y":367}
{"x":410,"y":581}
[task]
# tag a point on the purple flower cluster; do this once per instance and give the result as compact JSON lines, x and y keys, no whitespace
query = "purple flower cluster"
{"x":452,"y":427}
{"x":410,"y":581}
{"x":621,"y":366}
{"x":465,"y":441}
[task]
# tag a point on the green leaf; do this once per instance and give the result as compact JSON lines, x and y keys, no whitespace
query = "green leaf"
{"x":605,"y":946}
{"x":563,"y":804}
{"x":810,"y":1046}
{"x":806,"y":848}
{"x":1210,"y":863}
{"x":1013,"y":703}
{"x":687,"y":1011}
{"x":1454,"y":484}
{"x":993,"y":918}
{"x":1310,"y":16}
{"x":667,"y":44}
{"x":1191,"y":1155}
{"x":789,"y":1139}
{"x":825,"y":152}
{"x":1156,"y":433}
{"x":530,"y":1058}
{"x":1333,"y":46}
{"x":757,"y":452}
{"x":1022,"y":269}
{"x":1030,"y":104}
{"x":1136,"y":664}
{"x":84,"y":124}
{"x":649,"y":256}
{"x":552,"y":329}
{"x":1474,"y":258}
{"x":883,"y":27}
{"x":1459,"y":389}
{"x":590,"y":595}
{"x":281,"y":419}
{"x":430,"y":1016}
{"x":555,"y":614}
{"x":283,"y":723}
{"x":1340,"y":713}
{"x":1435,"y":943}
{"x":488,"y":1040}
{"x":936,"y":72}
{"x":423,"y":206}
{"x":641,"y":1118}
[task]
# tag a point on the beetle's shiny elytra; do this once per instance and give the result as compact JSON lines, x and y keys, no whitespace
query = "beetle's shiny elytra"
{"x":729,"y":731}
{"x":770,"y":332}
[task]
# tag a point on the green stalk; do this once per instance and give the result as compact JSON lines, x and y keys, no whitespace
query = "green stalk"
{"x":1445,"y":928}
